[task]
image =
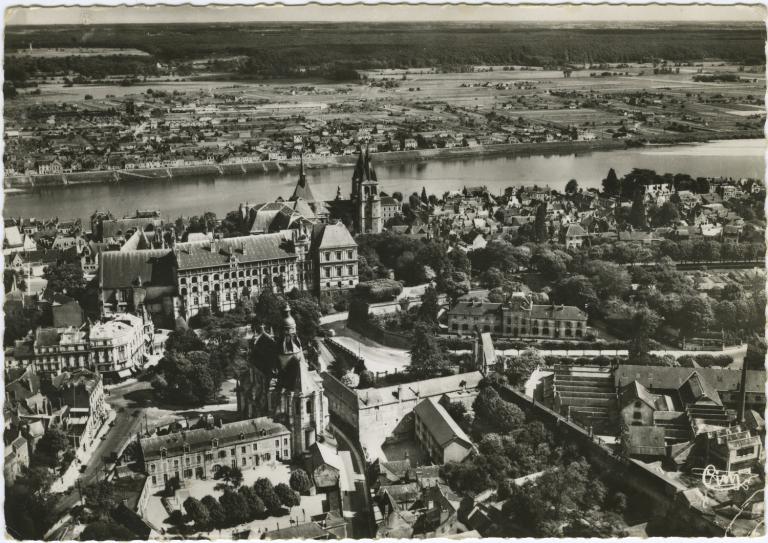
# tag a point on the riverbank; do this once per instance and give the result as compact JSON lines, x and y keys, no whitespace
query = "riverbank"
{"x":29,"y":183}
{"x":22,"y":183}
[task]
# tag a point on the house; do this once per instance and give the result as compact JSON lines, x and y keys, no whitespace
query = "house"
{"x":83,"y":391}
{"x":734,"y":449}
{"x":574,"y":236}
{"x":334,"y":474}
{"x":438,"y":434}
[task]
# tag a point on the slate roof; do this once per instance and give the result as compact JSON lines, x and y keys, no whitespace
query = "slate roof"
{"x":120,"y":270}
{"x":474,"y":308}
{"x":12,"y":237}
{"x":664,"y":378}
{"x":210,"y":254}
{"x":566,"y":312}
{"x":646,"y":440}
{"x":200,"y":439}
{"x":439,"y":423}
{"x":696,"y":389}
{"x":330,"y":236}
{"x":636,"y":391}
{"x":575,"y":230}
{"x":81,"y":376}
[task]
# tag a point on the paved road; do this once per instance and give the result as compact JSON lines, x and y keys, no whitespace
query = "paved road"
{"x":125,"y":426}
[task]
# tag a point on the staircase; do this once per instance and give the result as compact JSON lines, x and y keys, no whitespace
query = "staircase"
{"x":588,"y":396}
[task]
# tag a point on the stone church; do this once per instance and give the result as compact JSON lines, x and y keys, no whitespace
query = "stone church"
{"x":279,"y":384}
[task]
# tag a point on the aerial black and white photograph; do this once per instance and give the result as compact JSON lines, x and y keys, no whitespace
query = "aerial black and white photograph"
{"x":384,"y":271}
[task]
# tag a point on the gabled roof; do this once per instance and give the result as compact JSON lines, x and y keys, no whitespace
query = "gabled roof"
{"x":668,"y":378}
{"x":636,"y":391}
{"x":439,"y":423}
{"x":696,"y":389}
{"x":574,"y":231}
{"x":451,"y":384}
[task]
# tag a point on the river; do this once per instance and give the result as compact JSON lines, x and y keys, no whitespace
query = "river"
{"x":194,"y":195}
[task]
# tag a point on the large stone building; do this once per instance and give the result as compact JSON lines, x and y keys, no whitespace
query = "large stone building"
{"x":365,"y":197}
{"x":378,"y":414}
{"x":278,"y":383}
{"x":522,"y":319}
{"x":200,"y":453}
{"x":117,"y":347}
{"x":217,"y":273}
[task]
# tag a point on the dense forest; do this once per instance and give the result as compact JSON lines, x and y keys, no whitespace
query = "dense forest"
{"x":276,"y":49}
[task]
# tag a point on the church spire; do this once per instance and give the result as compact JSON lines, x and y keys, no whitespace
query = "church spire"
{"x":302,"y":189}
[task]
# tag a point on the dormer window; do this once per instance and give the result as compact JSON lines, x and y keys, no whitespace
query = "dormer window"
{"x":163,"y":452}
{"x":242,"y":435}
{"x":186,"y":447}
{"x":214,"y":443}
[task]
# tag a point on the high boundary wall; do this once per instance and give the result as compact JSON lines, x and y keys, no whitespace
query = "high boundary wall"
{"x":664,"y":493}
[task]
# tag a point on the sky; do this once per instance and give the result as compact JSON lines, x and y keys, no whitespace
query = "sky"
{"x":377,"y":13}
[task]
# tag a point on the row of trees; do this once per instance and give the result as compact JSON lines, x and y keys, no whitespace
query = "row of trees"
{"x":239,"y":504}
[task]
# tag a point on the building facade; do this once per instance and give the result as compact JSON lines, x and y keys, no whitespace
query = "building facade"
{"x":278,"y":383}
{"x":518,"y":320}
{"x":200,"y":453}
{"x":365,"y":197}
{"x":438,"y":434}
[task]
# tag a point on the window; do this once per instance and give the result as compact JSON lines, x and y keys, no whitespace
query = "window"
{"x":328,"y":273}
{"x":745,"y":451}
{"x":222,"y":454}
{"x":154,"y":479}
{"x":242,"y":449}
{"x":242,"y":461}
{"x":338,"y":255}
{"x":285,"y":441}
{"x":232,"y":451}
{"x":637,"y":415}
{"x":338,"y":271}
{"x":277,"y":443}
{"x":350,"y":270}
{"x":255,"y":446}
{"x":350,"y":254}
{"x":638,"y":404}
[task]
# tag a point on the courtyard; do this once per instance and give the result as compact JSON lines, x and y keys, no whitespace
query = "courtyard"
{"x":276,"y":472}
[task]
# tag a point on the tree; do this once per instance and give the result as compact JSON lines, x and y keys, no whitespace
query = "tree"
{"x":521,"y":368}
{"x":645,"y":322}
{"x":256,"y":507}
{"x":695,"y":315}
{"x":608,"y":279}
{"x":576,"y":290}
{"x":288,"y":497}
{"x":637,"y":216}
{"x":429,"y":307}
{"x":65,"y":278}
{"x":540,"y":224}
{"x":300,"y":481}
{"x":263,"y":486}
{"x":198,"y":513}
{"x":572,"y":187}
{"x":424,"y":198}
{"x":491,"y":278}
{"x":106,"y":530}
{"x":184,"y":341}
{"x":611,"y":185}
{"x":367,"y":379}
{"x":100,"y":498}
{"x":306,"y":312}
{"x":189,"y":378}
{"x":52,"y":446}
{"x":666,"y":215}
{"x":427,"y":357}
{"x":232,"y":476}
{"x":218,"y":517}
{"x":235,"y":507}
{"x":492,"y":411}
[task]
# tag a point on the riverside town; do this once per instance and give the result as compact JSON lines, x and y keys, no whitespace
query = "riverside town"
{"x":266,"y":278}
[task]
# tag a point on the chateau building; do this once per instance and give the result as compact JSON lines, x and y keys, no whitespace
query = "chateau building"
{"x":279,"y":384}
